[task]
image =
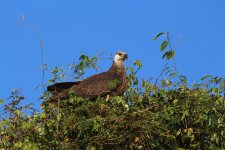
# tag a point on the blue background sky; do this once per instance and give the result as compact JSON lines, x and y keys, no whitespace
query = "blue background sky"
{"x":71,"y":27}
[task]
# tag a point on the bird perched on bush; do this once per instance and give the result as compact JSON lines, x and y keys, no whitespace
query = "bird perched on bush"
{"x":112,"y":82}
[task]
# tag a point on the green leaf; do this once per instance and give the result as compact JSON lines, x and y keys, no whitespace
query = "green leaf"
{"x":55,"y":71}
{"x":173,"y":74}
{"x":169,"y":54}
{"x":164,"y":55}
{"x":1,"y":101}
{"x":178,"y":132}
{"x":137,"y":63}
{"x":163,"y":81}
{"x":113,"y":84}
{"x":92,"y":148}
{"x":158,"y":35}
{"x":205,"y":77}
{"x":185,"y":114}
{"x":83,"y":57}
{"x":43,"y":116}
{"x":59,"y":116}
{"x":163,"y":45}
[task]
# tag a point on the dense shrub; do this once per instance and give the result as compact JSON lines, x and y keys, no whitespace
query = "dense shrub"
{"x":165,"y":115}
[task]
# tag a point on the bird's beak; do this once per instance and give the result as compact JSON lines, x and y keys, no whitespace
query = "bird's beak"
{"x":125,"y":56}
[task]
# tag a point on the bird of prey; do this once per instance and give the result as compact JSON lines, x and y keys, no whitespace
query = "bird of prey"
{"x":112,"y":82}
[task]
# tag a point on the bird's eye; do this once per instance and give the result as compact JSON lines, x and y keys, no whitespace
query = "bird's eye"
{"x":119,"y":54}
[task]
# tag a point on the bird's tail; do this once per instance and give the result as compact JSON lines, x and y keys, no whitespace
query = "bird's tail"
{"x":60,"y":87}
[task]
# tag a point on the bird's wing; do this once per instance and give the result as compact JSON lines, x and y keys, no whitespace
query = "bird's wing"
{"x":97,"y":85}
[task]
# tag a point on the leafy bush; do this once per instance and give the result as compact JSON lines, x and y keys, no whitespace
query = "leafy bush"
{"x":150,"y":115}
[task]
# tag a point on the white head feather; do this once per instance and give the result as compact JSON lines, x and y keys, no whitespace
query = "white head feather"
{"x":120,"y":57}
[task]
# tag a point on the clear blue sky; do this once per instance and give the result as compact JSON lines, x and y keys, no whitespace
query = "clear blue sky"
{"x":71,"y":27}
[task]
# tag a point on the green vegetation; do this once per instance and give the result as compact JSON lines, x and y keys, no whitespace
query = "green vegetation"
{"x":153,"y":114}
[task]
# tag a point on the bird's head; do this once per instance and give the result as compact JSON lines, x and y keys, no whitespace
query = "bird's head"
{"x":120,"y":56}
{"x":118,"y":62}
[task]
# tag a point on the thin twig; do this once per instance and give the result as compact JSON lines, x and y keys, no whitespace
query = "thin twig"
{"x":174,"y":61}
{"x":137,"y":70}
{"x":34,"y":29}
{"x":164,"y":69}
